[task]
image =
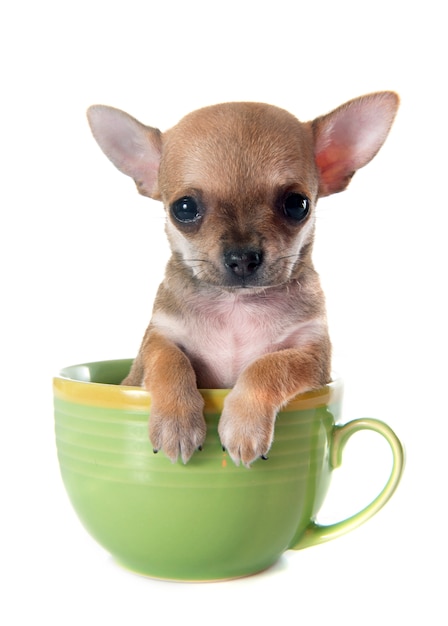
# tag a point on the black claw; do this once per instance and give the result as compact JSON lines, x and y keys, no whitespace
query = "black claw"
{"x":223,"y":448}
{"x":155,"y":450}
{"x":264,"y":457}
{"x":200,"y":448}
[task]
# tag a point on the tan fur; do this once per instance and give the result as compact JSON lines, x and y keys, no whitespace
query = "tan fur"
{"x":241,"y":305}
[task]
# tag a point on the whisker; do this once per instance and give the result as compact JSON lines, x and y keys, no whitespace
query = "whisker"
{"x":289,"y":256}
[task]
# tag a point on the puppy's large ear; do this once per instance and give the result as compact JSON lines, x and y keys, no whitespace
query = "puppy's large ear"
{"x":349,"y":137}
{"x":133,"y":148}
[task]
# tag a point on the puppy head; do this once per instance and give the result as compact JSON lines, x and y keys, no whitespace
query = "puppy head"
{"x":240,"y":181}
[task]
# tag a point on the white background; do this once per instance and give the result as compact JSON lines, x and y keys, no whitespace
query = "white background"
{"x":82,"y":255}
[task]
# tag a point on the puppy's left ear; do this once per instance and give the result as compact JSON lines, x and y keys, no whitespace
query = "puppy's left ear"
{"x":350,"y":136}
{"x":135,"y":149}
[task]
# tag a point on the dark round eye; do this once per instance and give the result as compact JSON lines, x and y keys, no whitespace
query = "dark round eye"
{"x":296,"y":206}
{"x":185,"y":210}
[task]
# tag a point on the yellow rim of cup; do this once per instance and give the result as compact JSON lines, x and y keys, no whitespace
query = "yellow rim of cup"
{"x":137,"y":399}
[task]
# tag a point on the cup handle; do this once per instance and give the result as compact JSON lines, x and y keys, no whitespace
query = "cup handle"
{"x":315,"y":533}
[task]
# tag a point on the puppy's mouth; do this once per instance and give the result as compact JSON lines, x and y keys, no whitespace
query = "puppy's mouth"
{"x":245,"y":268}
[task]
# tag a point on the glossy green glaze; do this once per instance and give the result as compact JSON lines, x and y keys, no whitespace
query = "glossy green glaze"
{"x":209,"y":519}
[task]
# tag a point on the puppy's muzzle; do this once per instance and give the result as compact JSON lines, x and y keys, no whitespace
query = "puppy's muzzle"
{"x":242,"y":264}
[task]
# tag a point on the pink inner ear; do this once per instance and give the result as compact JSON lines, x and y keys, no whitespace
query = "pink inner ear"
{"x":335,"y":170}
{"x":349,"y":137}
{"x":133,"y":148}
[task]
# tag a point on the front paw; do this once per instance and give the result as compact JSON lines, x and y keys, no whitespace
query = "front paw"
{"x":178,"y":428}
{"x":246,"y":428}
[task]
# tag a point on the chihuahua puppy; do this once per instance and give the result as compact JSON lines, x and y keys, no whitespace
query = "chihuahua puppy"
{"x":241,"y":306}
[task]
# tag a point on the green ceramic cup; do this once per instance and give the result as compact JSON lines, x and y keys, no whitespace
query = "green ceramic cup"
{"x":207,"y":520}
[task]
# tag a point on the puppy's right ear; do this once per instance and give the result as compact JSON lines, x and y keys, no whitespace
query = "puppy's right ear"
{"x":350,"y":136}
{"x":133,"y":148}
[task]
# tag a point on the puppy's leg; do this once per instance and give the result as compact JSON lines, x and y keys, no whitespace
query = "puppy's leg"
{"x":176,"y":424}
{"x":246,"y":427}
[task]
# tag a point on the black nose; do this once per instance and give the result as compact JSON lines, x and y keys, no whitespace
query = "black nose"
{"x":243,"y":262}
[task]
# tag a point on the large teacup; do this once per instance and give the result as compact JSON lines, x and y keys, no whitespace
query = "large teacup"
{"x":209,"y":519}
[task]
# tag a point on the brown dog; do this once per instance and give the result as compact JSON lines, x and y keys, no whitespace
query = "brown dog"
{"x":241,"y":305}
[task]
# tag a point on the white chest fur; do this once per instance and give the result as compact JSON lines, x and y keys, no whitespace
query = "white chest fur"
{"x":223,"y":335}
